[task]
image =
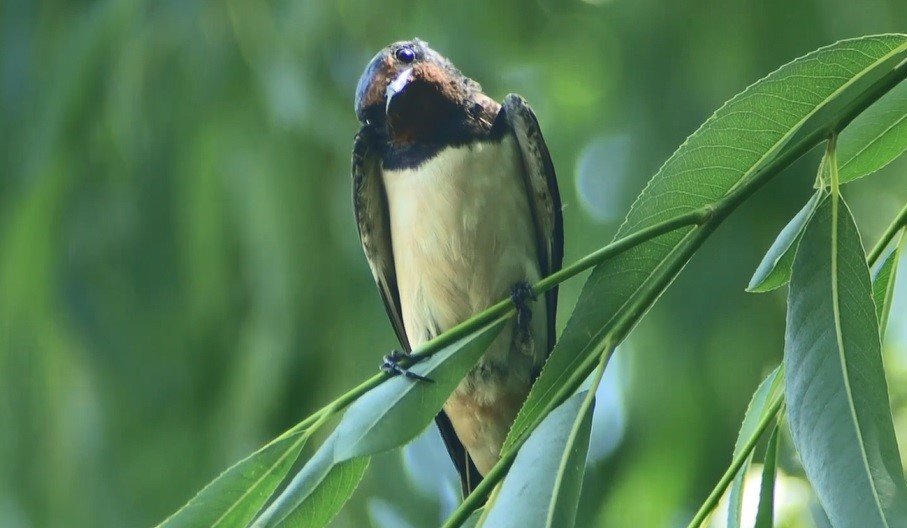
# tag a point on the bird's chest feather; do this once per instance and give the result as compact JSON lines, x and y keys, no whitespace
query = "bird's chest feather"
{"x":462,"y":234}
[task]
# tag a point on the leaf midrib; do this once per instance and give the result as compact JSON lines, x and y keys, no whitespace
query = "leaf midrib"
{"x":588,"y":401}
{"x":822,"y":104}
{"x":248,"y":491}
{"x":845,"y":375}
{"x":370,"y":425}
{"x":871,"y":143}
{"x":775,"y":145}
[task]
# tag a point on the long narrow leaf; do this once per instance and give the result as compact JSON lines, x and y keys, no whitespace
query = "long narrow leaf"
{"x":883,"y":285}
{"x":318,"y":490}
{"x":781,"y":112}
{"x":233,"y":498}
{"x":386,"y":417}
{"x":399,"y":409}
{"x":327,"y":499}
{"x":542,"y":487}
{"x":765,"y":513}
{"x":767,"y":392}
{"x":875,"y":137}
{"x":569,"y":481}
{"x":774,"y":270}
{"x":835,"y":388}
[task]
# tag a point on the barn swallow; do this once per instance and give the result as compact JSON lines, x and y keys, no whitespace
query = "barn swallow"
{"x":458,"y":207}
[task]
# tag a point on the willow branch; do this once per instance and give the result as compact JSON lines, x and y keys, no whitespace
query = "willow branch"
{"x":899,"y":222}
{"x":736,"y":464}
{"x":502,"y":308}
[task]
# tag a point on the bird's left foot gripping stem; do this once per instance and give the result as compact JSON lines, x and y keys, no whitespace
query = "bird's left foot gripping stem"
{"x":391,"y":365}
{"x":521,"y":295}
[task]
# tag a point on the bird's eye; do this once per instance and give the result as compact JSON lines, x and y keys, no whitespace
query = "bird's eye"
{"x":406,"y":55}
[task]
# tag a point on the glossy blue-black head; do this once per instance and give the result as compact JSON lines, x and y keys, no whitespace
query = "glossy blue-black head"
{"x":410,"y":71}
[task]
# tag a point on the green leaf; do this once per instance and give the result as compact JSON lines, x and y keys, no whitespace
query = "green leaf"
{"x":883,"y":285}
{"x":767,"y":393}
{"x":326,"y":500}
{"x":874,"y":138}
{"x":387,"y":416}
{"x":473,"y":519}
{"x":765,"y":514}
{"x":233,"y":498}
{"x":774,"y":270}
{"x":782,"y":112}
{"x":835,"y":387}
{"x":317,"y":492}
{"x":819,"y":517}
{"x":542,"y":487}
{"x":399,"y":409}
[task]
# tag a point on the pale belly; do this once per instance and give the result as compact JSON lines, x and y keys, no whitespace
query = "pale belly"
{"x":463,"y":235}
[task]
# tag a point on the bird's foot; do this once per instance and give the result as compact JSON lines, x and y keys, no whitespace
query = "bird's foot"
{"x":521,"y":295}
{"x":390,"y":364}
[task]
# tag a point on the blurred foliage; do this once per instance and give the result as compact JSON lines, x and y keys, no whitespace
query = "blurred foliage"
{"x":181,"y":280}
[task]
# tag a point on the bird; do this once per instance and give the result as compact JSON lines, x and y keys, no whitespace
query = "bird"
{"x":457,"y":206}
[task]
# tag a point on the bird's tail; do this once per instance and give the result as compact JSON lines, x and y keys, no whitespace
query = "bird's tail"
{"x":469,"y":475}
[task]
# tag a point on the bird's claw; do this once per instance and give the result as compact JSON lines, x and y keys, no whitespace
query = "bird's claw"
{"x":521,"y":295}
{"x":390,"y":364}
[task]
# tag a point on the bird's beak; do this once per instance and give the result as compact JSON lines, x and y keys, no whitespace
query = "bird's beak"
{"x":397,"y":86}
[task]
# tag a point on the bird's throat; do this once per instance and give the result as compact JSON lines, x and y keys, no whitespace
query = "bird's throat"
{"x":421,"y":113}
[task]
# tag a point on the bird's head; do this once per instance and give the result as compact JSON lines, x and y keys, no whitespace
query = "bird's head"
{"x":413,"y":91}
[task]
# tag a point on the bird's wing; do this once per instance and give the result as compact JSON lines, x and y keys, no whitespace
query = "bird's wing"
{"x":370,"y":205}
{"x":541,"y":185}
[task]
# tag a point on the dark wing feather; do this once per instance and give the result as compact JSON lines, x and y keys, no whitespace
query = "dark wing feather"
{"x":370,"y":205}
{"x":541,"y":184}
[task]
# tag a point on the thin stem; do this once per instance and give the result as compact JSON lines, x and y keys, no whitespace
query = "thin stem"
{"x":317,"y":418}
{"x":499,"y":470}
{"x":697,"y":217}
{"x":736,"y":464}
{"x":502,"y":308}
{"x":593,"y":259}
{"x":899,"y":221}
{"x":831,"y":158}
{"x":677,"y":259}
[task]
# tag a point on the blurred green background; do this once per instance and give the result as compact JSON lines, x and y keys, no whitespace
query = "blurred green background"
{"x":181,"y":278}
